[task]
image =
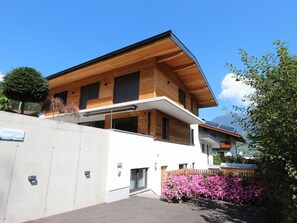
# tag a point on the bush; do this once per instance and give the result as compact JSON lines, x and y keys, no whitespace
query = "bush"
{"x":218,"y":159}
{"x":233,"y":189}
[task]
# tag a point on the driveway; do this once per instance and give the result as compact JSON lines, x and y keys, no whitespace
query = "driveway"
{"x":146,"y":210}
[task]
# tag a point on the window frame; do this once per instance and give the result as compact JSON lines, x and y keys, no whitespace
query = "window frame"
{"x":182,"y":97}
{"x":62,"y":93}
{"x":192,"y":141}
{"x":136,"y":180}
{"x":203,"y":147}
{"x":165,"y":128}
{"x":124,"y":89}
{"x":134,"y":118}
{"x":83,"y":90}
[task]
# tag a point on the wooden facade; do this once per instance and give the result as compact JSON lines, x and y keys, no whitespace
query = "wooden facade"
{"x":165,"y":68}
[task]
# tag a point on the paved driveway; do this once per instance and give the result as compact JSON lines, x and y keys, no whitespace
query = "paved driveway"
{"x":146,"y":210}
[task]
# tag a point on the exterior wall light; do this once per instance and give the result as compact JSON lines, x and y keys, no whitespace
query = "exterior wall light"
{"x":88,"y":174}
{"x":119,"y":169}
{"x":33,"y":180}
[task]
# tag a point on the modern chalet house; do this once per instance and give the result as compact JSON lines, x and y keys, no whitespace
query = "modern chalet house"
{"x":147,"y":97}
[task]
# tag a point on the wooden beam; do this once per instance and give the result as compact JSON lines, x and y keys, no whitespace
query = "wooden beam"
{"x":206,"y":102}
{"x":183,"y":67}
{"x":196,"y":90}
{"x":169,"y":56}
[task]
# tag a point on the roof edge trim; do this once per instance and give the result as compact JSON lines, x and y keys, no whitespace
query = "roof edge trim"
{"x":114,"y":53}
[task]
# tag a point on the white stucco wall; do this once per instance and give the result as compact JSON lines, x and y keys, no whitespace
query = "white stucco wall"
{"x":58,"y":154}
{"x":137,"y":151}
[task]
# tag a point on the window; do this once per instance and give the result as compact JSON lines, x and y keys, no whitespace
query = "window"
{"x":203,"y":147}
{"x":138,"y":179}
{"x":88,"y":92}
{"x":126,"y":88}
{"x":127,"y":124}
{"x":62,"y":96}
{"x":165,"y":128}
{"x":182,"y":97}
{"x":192,"y":137}
{"x":192,"y":104}
{"x":95,"y":124}
{"x":182,"y":166}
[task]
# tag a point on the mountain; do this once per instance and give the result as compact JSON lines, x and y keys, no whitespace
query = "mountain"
{"x":229,"y":120}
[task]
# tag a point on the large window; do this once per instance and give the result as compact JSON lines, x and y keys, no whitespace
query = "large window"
{"x":95,"y":124}
{"x":62,"y":96}
{"x":88,"y":92}
{"x":138,"y":179}
{"x":165,"y":128}
{"x":126,"y":88}
{"x":127,"y":124}
{"x":182,"y":97}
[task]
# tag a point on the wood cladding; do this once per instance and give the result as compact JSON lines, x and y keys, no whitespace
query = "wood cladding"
{"x":155,"y":80}
{"x":106,"y":80}
{"x":179,"y":132}
{"x":142,"y":120}
{"x":167,"y":84}
{"x":165,"y":52}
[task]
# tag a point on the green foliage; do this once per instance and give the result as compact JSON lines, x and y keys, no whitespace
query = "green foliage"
{"x":25,"y":84}
{"x":4,"y":101}
{"x":218,"y":159}
{"x":271,"y":118}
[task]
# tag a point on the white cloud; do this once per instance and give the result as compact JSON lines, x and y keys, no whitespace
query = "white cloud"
{"x":1,"y":76}
{"x":234,"y":90}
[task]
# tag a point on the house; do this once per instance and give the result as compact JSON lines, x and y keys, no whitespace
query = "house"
{"x":218,"y":138}
{"x":143,"y":101}
{"x":152,"y":90}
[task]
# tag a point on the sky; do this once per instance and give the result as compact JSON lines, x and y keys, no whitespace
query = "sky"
{"x":55,"y":35}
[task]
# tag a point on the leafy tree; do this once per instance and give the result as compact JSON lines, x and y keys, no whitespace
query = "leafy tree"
{"x":25,"y":84}
{"x":271,"y":120}
{"x":4,"y":101}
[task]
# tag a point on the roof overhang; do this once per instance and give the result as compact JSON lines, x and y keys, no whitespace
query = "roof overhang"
{"x":211,"y":140}
{"x":162,"y":104}
{"x":165,"y":48}
{"x":237,"y":137}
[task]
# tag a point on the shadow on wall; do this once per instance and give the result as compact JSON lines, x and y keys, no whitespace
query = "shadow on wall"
{"x":226,"y":212}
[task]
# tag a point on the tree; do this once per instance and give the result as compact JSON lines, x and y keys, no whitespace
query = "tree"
{"x":271,"y":119}
{"x":25,"y":84}
{"x":56,"y":105}
{"x":4,"y":101}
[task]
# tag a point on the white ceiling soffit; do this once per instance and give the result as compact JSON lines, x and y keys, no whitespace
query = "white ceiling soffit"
{"x":162,"y":104}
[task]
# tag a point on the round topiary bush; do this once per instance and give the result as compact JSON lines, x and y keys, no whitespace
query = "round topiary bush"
{"x":25,"y":84}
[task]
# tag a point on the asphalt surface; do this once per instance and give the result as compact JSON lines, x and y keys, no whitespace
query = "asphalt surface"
{"x":146,"y":210}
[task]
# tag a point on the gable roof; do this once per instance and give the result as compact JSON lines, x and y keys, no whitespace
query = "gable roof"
{"x":236,"y":136}
{"x":165,"y":47}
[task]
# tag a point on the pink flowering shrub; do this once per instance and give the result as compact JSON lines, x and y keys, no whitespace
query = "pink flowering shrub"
{"x":233,"y":189}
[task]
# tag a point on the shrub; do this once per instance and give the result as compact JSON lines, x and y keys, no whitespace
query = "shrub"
{"x":233,"y":189}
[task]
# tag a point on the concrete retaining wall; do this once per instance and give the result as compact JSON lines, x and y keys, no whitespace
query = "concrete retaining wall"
{"x":58,"y":154}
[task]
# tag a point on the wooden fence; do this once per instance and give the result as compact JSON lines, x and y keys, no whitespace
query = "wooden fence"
{"x":225,"y":171}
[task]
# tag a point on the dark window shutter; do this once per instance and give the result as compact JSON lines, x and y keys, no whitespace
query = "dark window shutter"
{"x":126,"y":88}
{"x":62,"y":96}
{"x":88,"y":92}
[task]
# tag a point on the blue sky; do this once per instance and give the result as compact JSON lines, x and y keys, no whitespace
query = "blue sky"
{"x":54,"y":35}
